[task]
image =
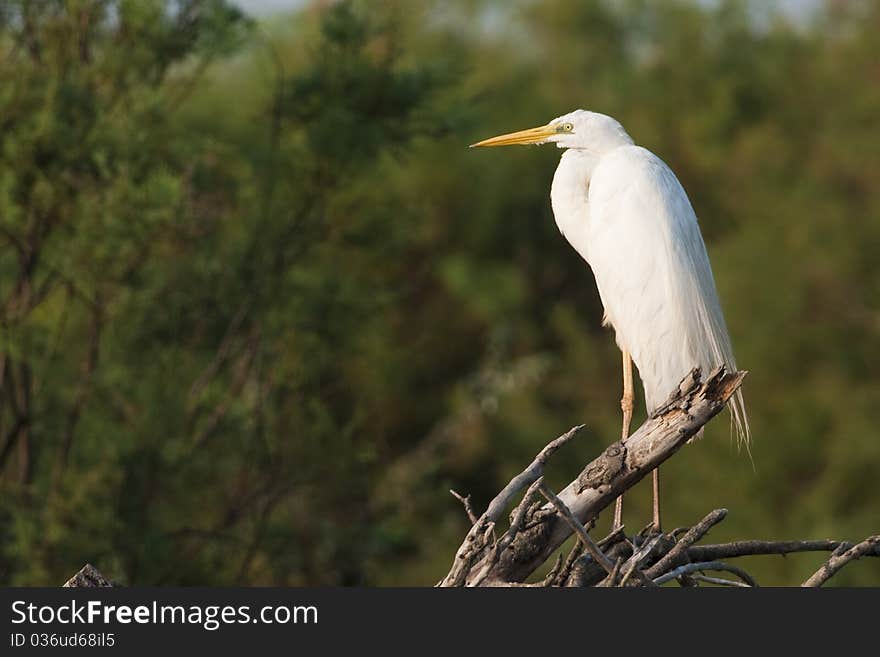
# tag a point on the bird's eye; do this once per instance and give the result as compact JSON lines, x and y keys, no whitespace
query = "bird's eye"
{"x":566,"y":127}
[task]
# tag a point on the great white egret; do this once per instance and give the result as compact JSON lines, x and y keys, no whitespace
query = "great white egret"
{"x":624,"y":211}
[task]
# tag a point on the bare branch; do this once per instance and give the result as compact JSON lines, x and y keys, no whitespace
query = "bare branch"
{"x":751,"y":548}
{"x":635,"y":562}
{"x":564,"y":573}
{"x":720,"y":581}
{"x":468,"y":507}
{"x":691,"y":536}
{"x":529,"y":475}
{"x":475,"y":545}
{"x":578,"y":528}
{"x":705,"y":565}
{"x":837,"y":561}
{"x":614,"y":575}
{"x":553,"y":575}
{"x":520,"y":513}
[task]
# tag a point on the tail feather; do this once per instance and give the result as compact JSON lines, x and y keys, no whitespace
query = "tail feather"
{"x":740,"y":419}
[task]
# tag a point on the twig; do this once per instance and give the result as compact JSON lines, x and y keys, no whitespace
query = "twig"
{"x":613,"y":537}
{"x":720,"y":581}
{"x":520,"y":513}
{"x":611,"y":580}
{"x":475,"y":543}
{"x":705,"y":565}
{"x":750,"y":548}
{"x":578,"y":529}
{"x":838,"y":561}
{"x":693,"y":535}
{"x":529,"y":475}
{"x":576,"y":551}
{"x":550,"y":579}
{"x":468,"y":507}
{"x":636,"y":560}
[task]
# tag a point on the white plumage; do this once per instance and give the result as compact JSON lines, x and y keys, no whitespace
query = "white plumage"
{"x":624,"y":211}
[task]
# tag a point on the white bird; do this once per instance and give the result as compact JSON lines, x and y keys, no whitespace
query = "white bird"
{"x":625,"y":212}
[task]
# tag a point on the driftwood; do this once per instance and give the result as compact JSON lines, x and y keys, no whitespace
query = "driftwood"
{"x":536,"y":531}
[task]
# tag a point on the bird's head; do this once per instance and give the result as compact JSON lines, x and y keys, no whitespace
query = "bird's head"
{"x":579,"y":129}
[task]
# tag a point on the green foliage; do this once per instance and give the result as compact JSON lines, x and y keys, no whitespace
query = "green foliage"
{"x":261,"y":307}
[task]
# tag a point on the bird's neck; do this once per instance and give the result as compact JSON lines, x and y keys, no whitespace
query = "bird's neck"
{"x":569,"y":195}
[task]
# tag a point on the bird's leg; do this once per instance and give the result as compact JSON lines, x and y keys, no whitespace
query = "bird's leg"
{"x":626,"y":405}
{"x":657,"y":499}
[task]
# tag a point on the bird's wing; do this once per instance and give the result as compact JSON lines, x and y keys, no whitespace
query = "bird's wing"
{"x":653,"y":275}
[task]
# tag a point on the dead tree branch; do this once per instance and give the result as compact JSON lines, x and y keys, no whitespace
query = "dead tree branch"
{"x":837,"y":561}
{"x":690,"y":537}
{"x":468,"y":507}
{"x":620,"y":467}
{"x":88,"y":577}
{"x":477,"y":539}
{"x":703,"y":566}
{"x":753,"y":548}
{"x":578,"y":529}
{"x":536,"y":531}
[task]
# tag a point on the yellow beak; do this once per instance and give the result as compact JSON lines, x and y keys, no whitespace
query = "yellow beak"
{"x":530,"y":136}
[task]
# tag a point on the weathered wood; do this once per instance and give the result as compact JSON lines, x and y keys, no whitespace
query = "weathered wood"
{"x":837,"y":561}
{"x":689,"y":538}
{"x":579,"y":530}
{"x":88,"y":577}
{"x":752,"y":548}
{"x":706,"y":565}
{"x":650,"y":558}
{"x":476,"y":544}
{"x":618,"y":468}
